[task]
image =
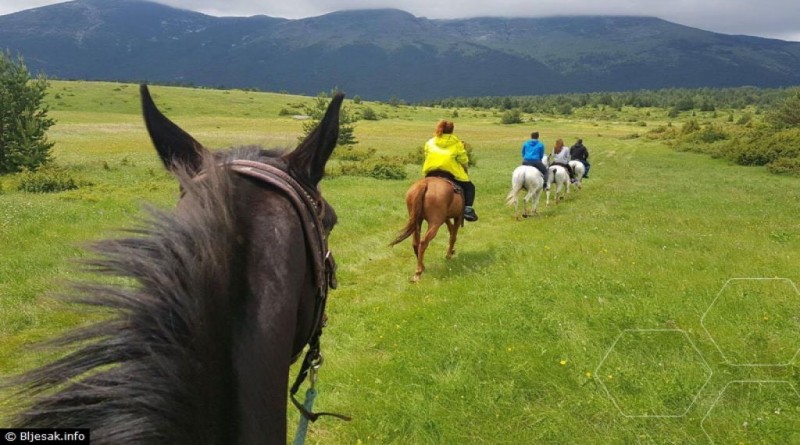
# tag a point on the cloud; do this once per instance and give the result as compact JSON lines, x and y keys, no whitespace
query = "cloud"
{"x":766,"y":18}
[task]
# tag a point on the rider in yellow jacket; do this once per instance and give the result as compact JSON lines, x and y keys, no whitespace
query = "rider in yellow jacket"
{"x":446,"y":156}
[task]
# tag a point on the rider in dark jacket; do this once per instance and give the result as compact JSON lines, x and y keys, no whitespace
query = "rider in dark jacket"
{"x":578,"y":152}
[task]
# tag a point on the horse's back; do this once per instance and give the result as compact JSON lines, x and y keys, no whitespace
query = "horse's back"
{"x":527,"y":177}
{"x":578,"y":168}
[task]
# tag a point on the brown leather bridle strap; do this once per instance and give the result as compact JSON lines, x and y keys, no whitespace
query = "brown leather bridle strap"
{"x":308,"y":208}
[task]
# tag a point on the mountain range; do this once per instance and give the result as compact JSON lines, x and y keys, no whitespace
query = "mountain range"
{"x":386,"y":53}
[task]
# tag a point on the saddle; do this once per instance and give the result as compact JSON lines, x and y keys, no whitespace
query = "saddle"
{"x":457,"y":189}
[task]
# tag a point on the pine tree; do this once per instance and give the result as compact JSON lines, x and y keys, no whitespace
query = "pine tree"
{"x":23,"y":117}
{"x":317,"y":110}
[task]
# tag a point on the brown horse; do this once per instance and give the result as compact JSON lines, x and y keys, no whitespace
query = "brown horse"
{"x":219,"y":297}
{"x":436,"y":201}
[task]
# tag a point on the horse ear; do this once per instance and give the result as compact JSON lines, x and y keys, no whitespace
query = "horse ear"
{"x":176,"y":148}
{"x":309,"y":158}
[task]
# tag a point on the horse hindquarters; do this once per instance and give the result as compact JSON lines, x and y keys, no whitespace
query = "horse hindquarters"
{"x":530,"y":179}
{"x":579,"y":170}
{"x":560,"y":176}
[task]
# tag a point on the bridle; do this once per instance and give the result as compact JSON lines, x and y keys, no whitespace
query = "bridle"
{"x":310,"y":209}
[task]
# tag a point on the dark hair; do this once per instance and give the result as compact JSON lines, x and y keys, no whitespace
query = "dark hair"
{"x":535,"y":135}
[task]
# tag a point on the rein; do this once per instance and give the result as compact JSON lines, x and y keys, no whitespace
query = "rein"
{"x":310,"y":211}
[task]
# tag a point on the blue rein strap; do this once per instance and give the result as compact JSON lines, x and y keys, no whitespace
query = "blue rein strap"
{"x":310,"y":367}
{"x":302,"y":426}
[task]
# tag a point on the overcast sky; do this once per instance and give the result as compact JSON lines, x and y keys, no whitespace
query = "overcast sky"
{"x":764,"y":18}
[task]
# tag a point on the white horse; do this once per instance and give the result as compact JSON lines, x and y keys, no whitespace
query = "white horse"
{"x":560,"y":176}
{"x":580,"y":170}
{"x":530,"y":179}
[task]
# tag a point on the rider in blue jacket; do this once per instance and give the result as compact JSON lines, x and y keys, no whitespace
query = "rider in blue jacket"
{"x":532,"y":154}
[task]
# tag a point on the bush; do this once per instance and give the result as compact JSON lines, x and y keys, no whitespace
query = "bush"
{"x":765,"y":146}
{"x":785,"y":166}
{"x":416,"y":157}
{"x":745,"y":119}
{"x":473,"y":160}
{"x":369,"y":114}
{"x":710,"y":133}
{"x":511,"y":117}
{"x":351,"y":153}
{"x":382,"y":168}
{"x":386,"y":169}
{"x":690,"y":126}
{"x":46,"y":180}
{"x":288,"y":112}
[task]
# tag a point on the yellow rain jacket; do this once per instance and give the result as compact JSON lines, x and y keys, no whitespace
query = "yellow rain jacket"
{"x":446,"y":153}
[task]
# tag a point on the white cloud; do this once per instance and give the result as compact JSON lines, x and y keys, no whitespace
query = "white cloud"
{"x":766,"y":18}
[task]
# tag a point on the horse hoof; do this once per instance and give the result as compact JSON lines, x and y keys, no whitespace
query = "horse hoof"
{"x":414,"y":279}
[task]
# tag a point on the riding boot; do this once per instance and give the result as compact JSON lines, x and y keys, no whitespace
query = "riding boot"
{"x":469,"y":214}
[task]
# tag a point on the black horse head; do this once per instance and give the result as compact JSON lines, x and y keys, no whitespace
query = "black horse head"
{"x":225,"y":294}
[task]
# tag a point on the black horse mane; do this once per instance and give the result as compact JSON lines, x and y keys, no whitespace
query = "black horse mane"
{"x":159,"y":369}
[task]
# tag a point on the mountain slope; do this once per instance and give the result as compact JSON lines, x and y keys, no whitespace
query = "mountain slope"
{"x":387,"y":53}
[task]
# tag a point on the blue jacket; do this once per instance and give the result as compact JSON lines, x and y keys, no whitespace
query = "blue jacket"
{"x":532,"y":150}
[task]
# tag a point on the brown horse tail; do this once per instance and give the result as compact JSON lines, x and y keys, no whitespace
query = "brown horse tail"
{"x":415,"y":212}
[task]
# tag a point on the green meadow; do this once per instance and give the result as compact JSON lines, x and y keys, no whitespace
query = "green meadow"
{"x":659,"y":304}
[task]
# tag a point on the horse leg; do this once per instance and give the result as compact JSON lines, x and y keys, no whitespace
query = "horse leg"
{"x":433,"y":228}
{"x":415,"y":240}
{"x":536,"y":197}
{"x":559,"y":195}
{"x":527,"y":202}
{"x":453,"y":229}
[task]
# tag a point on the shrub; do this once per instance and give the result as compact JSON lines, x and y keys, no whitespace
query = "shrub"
{"x":745,"y":119}
{"x":417,"y":156}
{"x":382,"y":168}
{"x":710,"y":133}
{"x":369,"y":114}
{"x":473,"y":160}
{"x":46,"y":180}
{"x":785,"y":166}
{"x":351,"y":153}
{"x":690,"y":127}
{"x":288,"y":112}
{"x":511,"y":117}
{"x":387,"y":169}
{"x":764,"y":146}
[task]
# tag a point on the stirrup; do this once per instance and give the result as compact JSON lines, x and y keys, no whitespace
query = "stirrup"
{"x":470,"y":215}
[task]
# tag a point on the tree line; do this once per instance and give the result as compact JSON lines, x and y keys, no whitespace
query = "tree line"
{"x":673,"y":99}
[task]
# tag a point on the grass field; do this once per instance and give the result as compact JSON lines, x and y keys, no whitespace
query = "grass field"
{"x":643,"y":309}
